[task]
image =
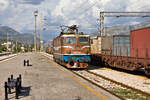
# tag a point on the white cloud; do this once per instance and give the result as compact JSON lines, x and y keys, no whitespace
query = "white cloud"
{"x":3,"y":4}
{"x":75,"y":11}
{"x":21,"y":17}
{"x":82,"y":12}
{"x":134,"y":22}
{"x":138,"y":5}
{"x":72,"y":22}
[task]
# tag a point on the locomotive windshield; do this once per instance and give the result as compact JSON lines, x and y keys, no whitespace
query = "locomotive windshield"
{"x":70,"y":40}
{"x":83,"y":40}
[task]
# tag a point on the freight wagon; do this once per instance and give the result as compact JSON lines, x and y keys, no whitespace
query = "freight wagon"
{"x":121,"y":45}
{"x":136,"y":53}
{"x":140,"y":43}
{"x":72,"y":49}
{"x":101,"y":44}
{"x":112,"y":45}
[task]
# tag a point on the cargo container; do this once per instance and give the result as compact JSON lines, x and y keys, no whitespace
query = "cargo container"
{"x":121,"y":45}
{"x":95,"y":45}
{"x":140,"y":43}
{"x":115,"y":45}
{"x":102,"y":45}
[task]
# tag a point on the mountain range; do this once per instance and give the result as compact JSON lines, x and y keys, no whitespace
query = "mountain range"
{"x":11,"y":34}
{"x":27,"y":38}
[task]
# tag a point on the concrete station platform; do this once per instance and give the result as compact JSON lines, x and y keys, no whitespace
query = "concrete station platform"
{"x":7,"y":56}
{"x":45,"y":80}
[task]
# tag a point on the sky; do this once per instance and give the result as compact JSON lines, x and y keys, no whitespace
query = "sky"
{"x":19,"y":14}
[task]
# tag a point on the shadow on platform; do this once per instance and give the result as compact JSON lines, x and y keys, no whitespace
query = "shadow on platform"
{"x":77,"y":98}
{"x":25,"y":91}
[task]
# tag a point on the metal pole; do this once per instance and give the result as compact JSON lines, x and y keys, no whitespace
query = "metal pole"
{"x":118,"y":14}
{"x":16,"y":45}
{"x":123,"y":12}
{"x":102,"y":23}
{"x":35,"y":34}
{"x":7,"y":41}
{"x":41,"y":30}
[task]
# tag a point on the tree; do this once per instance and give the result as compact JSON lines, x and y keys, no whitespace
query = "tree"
{"x":3,"y":48}
{"x":16,"y":49}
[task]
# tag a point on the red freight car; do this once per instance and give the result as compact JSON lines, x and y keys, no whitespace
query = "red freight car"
{"x":139,"y":54}
{"x":140,"y":43}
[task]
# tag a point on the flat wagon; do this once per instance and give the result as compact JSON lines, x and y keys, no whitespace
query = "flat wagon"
{"x":136,"y":57}
{"x":140,"y":43}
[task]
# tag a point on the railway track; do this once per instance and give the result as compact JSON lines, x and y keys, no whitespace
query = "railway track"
{"x":120,"y":90}
{"x":6,"y":56}
{"x":8,"y":53}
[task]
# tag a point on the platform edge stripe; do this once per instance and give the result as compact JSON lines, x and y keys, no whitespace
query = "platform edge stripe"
{"x":73,"y":77}
{"x":6,"y":59}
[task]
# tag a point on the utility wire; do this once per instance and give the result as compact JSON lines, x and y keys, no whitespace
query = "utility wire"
{"x":83,"y":12}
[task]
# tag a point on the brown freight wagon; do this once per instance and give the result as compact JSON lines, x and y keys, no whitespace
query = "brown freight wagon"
{"x":140,"y":43}
{"x":139,"y":49}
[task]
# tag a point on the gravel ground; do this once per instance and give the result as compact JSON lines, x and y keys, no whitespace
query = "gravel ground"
{"x":135,"y":81}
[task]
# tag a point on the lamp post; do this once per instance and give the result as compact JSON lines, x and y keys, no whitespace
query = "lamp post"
{"x":35,"y":32}
{"x":41,"y":31}
{"x":7,"y":41}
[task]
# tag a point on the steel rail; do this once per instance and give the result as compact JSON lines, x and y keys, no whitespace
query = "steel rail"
{"x":115,"y":82}
{"x":6,"y":57}
{"x":2,"y":54}
{"x":48,"y":55}
{"x":121,"y":84}
{"x":94,"y":83}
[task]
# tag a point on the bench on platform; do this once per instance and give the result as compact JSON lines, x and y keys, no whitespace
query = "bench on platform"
{"x":11,"y":84}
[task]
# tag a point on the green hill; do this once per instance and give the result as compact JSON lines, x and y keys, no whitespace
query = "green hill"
{"x":11,"y":34}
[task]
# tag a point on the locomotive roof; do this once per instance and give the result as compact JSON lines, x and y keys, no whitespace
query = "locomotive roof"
{"x":73,"y":35}
{"x":71,"y":32}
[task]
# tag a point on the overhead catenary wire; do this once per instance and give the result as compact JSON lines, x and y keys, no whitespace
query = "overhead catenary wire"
{"x":77,"y":17}
{"x":119,"y":14}
{"x":83,"y":12}
{"x":138,"y":6}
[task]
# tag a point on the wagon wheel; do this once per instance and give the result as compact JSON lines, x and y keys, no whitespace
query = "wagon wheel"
{"x":147,"y":71}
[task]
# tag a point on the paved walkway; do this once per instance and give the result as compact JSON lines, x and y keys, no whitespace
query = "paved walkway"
{"x":44,"y":81}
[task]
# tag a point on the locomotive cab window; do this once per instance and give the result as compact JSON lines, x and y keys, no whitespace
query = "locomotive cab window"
{"x":83,"y":40}
{"x":70,"y":40}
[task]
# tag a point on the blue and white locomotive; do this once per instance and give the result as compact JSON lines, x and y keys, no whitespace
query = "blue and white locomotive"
{"x":72,"y":48}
